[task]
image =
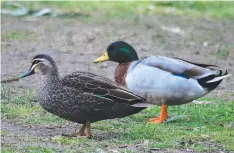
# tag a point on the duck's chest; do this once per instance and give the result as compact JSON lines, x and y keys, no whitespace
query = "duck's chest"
{"x":121,"y":73}
{"x":48,"y":96}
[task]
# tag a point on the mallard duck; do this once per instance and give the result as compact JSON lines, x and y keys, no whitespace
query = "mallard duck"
{"x":82,"y":97}
{"x":163,"y":81}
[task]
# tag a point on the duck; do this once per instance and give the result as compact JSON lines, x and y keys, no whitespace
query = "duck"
{"x":163,"y":81}
{"x":81,"y":97}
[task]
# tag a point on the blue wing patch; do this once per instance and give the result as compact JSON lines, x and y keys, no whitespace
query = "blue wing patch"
{"x":181,"y":75}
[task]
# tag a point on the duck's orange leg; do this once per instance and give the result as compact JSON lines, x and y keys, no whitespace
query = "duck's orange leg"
{"x":163,"y":116}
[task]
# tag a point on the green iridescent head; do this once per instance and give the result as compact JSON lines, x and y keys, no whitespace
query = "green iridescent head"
{"x":120,"y":52}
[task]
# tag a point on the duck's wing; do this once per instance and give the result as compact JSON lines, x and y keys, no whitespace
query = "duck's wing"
{"x":208,"y":76}
{"x":102,"y":87}
{"x":197,"y":64}
{"x":180,"y":67}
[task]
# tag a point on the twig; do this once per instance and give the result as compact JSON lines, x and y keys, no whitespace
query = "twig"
{"x":9,"y":80}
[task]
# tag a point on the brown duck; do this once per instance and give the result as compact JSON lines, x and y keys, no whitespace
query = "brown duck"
{"x":82,"y":97}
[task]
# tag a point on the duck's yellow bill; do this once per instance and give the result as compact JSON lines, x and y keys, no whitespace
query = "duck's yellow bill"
{"x":102,"y":58}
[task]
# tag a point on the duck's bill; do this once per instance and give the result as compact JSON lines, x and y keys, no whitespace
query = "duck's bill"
{"x":26,"y":74}
{"x":30,"y":72}
{"x":102,"y":58}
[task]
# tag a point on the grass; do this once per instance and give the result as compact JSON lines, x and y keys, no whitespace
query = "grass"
{"x":7,"y":148}
{"x":204,"y":127}
{"x":215,"y":9}
{"x":129,"y":9}
{"x":23,"y":109}
{"x":223,"y":52}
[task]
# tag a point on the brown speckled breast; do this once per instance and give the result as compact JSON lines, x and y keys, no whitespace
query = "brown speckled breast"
{"x":121,"y":72}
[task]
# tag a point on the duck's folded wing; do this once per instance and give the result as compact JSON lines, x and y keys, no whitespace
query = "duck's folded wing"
{"x":101,"y":87}
{"x":179,"y":66}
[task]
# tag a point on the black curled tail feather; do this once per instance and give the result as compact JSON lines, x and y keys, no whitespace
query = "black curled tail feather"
{"x":210,"y":82}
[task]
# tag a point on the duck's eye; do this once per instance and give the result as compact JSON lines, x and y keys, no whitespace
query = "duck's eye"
{"x":36,"y":61}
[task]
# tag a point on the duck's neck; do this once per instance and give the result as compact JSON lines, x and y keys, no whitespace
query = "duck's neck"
{"x":51,"y":79}
{"x":121,"y":73}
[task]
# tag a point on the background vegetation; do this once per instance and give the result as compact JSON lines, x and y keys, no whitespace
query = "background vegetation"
{"x":112,"y":9}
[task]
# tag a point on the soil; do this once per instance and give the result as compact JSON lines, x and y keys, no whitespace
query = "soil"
{"x":75,"y":43}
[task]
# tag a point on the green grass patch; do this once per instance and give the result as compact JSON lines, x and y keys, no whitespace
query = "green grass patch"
{"x":203,"y":127}
{"x":128,"y":9}
{"x":26,"y":113}
{"x":7,"y":148}
{"x":24,"y":109}
{"x":36,"y":149}
{"x":215,"y":9}
{"x":223,"y":53}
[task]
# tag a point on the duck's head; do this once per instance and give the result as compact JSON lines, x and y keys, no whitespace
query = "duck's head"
{"x":41,"y":64}
{"x":120,"y":52}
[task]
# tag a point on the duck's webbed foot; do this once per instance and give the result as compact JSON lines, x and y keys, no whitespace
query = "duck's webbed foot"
{"x":163,"y":116}
{"x":79,"y":133}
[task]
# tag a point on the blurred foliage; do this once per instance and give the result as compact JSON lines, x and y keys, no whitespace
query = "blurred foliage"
{"x":219,"y":9}
{"x":111,"y":9}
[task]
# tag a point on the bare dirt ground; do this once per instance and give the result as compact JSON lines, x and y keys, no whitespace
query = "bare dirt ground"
{"x":75,"y":43}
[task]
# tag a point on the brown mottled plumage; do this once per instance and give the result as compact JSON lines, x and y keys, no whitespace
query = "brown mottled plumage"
{"x":82,"y":97}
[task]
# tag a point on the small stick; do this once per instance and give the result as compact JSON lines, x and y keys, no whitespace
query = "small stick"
{"x":10,"y":80}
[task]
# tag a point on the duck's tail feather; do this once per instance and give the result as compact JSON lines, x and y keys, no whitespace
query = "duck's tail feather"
{"x":210,"y":82}
{"x":218,"y":78}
